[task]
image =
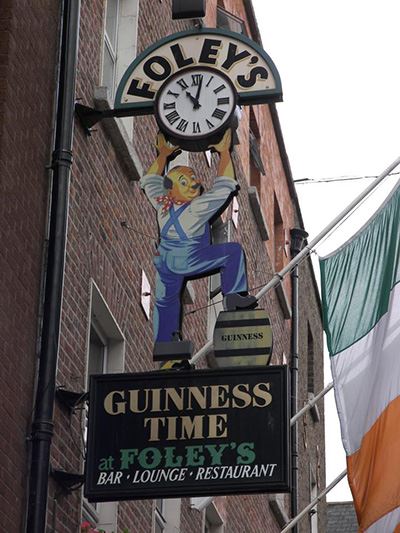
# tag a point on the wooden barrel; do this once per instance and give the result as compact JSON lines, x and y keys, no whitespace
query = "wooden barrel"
{"x":245,"y":335}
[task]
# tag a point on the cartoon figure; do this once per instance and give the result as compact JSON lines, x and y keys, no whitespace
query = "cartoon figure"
{"x":185,"y":251}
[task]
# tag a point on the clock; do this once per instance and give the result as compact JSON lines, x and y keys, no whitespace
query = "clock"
{"x":195,"y":106}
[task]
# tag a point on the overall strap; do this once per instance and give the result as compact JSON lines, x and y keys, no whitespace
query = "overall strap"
{"x":174,"y":221}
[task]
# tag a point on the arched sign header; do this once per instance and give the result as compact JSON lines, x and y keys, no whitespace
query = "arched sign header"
{"x":248,"y":66}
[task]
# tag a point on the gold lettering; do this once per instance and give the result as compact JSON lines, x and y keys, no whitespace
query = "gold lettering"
{"x":192,"y":428}
{"x":134,"y":401}
{"x":171,"y":427}
{"x":261,"y":390}
{"x":199,"y":396}
{"x":154,"y":427}
{"x":217,"y":426}
{"x":218,"y":396}
{"x":243,"y":396}
{"x":116,"y":408}
{"x":155,"y":403}
{"x":176,"y":398}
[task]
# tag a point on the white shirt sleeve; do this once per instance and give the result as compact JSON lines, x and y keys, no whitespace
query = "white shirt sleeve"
{"x":206,"y":205}
{"x":153,"y":186}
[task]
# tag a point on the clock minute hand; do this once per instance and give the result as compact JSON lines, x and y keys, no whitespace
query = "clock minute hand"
{"x":197,"y":104}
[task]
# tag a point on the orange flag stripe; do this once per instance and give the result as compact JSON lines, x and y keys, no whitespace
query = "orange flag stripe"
{"x":374,"y":470}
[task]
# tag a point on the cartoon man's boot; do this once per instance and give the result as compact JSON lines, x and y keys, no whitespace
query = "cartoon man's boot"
{"x":235,"y":301}
{"x":175,"y":349}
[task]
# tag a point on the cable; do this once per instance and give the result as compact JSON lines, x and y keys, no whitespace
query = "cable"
{"x":125,"y":225}
{"x":344,"y":219}
{"x":308,"y":181}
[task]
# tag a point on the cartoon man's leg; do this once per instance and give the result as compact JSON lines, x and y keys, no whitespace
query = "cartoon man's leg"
{"x":167,"y":311}
{"x":229,"y":258}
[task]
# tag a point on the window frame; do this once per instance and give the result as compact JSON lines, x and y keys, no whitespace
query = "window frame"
{"x":107,"y":46}
{"x":231,"y":18}
{"x":103,"y":322}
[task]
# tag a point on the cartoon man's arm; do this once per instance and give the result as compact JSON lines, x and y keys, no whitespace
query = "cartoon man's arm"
{"x":225,"y":165}
{"x":225,"y":184}
{"x":165,"y":149}
{"x":152,"y":182}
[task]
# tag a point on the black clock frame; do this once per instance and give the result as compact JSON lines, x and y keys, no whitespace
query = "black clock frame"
{"x":199,"y":143}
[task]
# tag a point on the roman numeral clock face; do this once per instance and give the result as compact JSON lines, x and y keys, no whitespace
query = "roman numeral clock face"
{"x":195,"y":104}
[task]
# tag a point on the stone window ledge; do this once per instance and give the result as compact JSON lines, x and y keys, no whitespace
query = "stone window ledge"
{"x":257,"y":212}
{"x":119,"y":137}
{"x":283,"y":301}
{"x":277,"y":507}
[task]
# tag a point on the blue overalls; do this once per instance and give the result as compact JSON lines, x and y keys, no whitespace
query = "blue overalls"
{"x":187,"y":257}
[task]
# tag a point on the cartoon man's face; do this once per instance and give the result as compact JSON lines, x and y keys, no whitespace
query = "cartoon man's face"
{"x":185,"y":186}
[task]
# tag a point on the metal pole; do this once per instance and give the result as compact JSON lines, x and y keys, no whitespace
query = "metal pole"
{"x":298,"y":237}
{"x":314,"y":502}
{"x":277,"y":278}
{"x":42,"y":425}
{"x":310,"y":403}
{"x":294,"y":390}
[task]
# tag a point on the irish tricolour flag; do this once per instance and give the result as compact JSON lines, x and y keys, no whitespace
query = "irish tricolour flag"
{"x":361,"y":302}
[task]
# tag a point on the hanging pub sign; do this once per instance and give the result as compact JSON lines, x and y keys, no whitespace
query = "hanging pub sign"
{"x":188,"y":433}
{"x":231,"y":56}
{"x":192,"y":82}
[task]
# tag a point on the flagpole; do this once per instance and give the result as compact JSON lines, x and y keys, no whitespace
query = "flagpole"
{"x":309,"y":405}
{"x":314,"y":502}
{"x":278,"y":277}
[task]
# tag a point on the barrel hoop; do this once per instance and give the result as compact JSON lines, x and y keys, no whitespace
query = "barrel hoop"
{"x":242,"y":323}
{"x":242,"y":351}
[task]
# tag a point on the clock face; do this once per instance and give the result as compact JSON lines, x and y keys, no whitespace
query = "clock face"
{"x":195,"y":103}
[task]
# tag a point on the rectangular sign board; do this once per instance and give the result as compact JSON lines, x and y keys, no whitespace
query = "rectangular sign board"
{"x":188,"y":433}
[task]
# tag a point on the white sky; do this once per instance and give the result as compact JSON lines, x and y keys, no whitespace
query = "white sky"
{"x":340,"y":72}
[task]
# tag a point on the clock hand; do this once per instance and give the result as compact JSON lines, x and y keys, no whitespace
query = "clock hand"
{"x":197,"y":104}
{"x":194,"y":100}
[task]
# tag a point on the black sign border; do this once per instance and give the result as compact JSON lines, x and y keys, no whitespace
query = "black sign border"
{"x":112,"y":494}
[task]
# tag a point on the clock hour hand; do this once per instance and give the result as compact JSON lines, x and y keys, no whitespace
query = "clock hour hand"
{"x":196,"y":104}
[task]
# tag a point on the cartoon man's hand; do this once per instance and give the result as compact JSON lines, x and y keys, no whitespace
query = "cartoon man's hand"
{"x":224,"y":144}
{"x":164,"y":147}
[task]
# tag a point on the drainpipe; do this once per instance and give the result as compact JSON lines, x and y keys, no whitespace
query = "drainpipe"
{"x":42,"y":425}
{"x":298,"y":237}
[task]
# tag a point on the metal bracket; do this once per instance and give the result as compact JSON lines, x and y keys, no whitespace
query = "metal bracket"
{"x":69,"y":481}
{"x":70,"y":399}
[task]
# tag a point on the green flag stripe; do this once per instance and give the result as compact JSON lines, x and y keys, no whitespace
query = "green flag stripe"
{"x":357,"y":279}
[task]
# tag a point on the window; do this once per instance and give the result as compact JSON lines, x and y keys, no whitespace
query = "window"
{"x":228,"y":21}
{"x":106,"y":350}
{"x":256,"y":164}
{"x":310,"y":361}
{"x":167,"y":515}
{"x":313,"y":513}
{"x":159,"y":520}
{"x":110,"y":44}
{"x":213,"y":522}
{"x":220,"y":232}
{"x":279,"y":237}
{"x":119,"y":46}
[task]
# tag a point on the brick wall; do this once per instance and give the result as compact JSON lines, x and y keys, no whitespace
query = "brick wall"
{"x":27,"y":74}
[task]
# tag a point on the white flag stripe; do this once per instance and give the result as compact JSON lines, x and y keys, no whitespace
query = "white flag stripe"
{"x":387,"y":523}
{"x":367,"y":376}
